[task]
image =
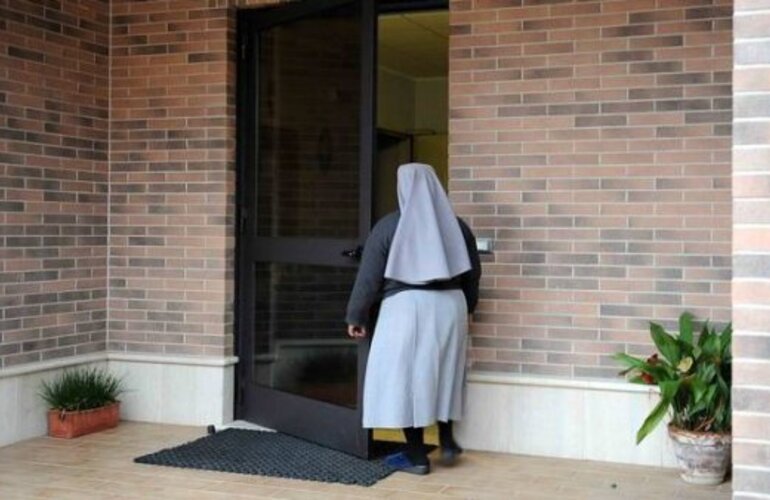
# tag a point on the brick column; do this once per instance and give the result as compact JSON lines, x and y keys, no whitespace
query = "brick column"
{"x":751,"y":249}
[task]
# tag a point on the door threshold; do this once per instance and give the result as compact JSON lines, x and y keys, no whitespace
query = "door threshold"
{"x":380,"y":448}
{"x":242,"y":424}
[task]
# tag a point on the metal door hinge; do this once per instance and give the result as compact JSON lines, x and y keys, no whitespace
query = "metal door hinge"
{"x":244,"y":49}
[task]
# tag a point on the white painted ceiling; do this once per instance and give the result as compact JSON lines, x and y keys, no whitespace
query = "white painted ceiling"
{"x":415,"y":44}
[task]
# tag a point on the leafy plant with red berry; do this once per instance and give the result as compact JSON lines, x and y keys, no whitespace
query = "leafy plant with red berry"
{"x":693,"y":374}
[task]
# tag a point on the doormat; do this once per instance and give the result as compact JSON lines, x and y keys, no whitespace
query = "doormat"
{"x":270,"y":454}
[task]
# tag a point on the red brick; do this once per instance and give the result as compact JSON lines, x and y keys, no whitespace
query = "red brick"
{"x":602,"y":154}
{"x":57,"y":200}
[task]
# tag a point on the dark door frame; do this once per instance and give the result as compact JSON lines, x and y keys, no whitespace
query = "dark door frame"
{"x":393,"y":6}
{"x":250,"y":22}
{"x":290,"y":412}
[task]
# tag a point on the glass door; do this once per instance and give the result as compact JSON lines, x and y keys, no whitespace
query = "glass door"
{"x":305,"y":135}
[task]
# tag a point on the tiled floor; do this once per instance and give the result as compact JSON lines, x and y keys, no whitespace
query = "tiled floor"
{"x":100,"y":466}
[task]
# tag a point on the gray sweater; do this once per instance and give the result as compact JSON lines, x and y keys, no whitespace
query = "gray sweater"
{"x":372,"y":286}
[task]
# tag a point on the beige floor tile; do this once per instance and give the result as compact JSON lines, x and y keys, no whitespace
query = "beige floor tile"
{"x":243,"y":489}
{"x":101,"y":466}
{"x":398,"y":485}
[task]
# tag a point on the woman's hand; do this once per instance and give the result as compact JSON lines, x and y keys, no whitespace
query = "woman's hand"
{"x":356,"y":331}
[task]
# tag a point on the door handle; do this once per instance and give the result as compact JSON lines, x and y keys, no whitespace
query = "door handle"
{"x":354,"y":253}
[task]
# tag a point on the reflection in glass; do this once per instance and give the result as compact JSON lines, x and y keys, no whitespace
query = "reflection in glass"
{"x":308,"y":108}
{"x":301,"y":346}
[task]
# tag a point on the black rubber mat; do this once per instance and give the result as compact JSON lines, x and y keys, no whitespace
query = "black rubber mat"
{"x":270,"y":454}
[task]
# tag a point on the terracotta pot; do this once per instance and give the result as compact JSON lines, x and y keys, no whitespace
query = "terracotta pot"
{"x":704,"y":457}
{"x":70,"y":424}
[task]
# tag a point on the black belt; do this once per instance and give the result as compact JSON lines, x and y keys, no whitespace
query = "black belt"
{"x":434,"y":285}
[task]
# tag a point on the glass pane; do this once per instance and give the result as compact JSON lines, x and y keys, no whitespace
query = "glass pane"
{"x":300,"y":341}
{"x":309,"y":101}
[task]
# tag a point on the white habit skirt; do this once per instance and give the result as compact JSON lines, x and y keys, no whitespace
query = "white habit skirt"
{"x":415,"y":374}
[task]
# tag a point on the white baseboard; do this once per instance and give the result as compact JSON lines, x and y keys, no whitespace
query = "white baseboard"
{"x":568,"y":418}
{"x":161,"y":389}
{"x":580,"y":419}
{"x":176,"y":390}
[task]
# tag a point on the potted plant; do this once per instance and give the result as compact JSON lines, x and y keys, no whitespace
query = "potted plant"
{"x":694,"y":377}
{"x":82,"y":401}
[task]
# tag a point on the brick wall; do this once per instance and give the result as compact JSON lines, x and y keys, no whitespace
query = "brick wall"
{"x":172,"y":175}
{"x":751,"y":251}
{"x":591,"y":140}
{"x":53,"y":178}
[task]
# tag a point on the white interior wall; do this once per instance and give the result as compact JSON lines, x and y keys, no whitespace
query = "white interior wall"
{"x":431,"y":104}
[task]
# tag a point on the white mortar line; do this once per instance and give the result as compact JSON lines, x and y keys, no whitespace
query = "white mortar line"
{"x":108,"y":309}
{"x":749,"y":305}
{"x":741,"y":332}
{"x":751,"y":441}
{"x":749,"y":119}
{"x":749,"y":413}
{"x":750,"y":39}
{"x":750,"y":386}
{"x":752,"y":467}
{"x":748,"y":11}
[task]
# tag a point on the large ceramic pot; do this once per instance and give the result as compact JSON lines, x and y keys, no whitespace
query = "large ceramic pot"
{"x":70,"y":424}
{"x":703,"y":457}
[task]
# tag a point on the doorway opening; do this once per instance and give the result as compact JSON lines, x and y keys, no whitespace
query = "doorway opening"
{"x":412,"y":112}
{"x":412,"y":98}
{"x":317,"y":167}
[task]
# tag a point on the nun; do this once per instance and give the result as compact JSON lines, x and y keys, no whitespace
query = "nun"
{"x":421,"y":262}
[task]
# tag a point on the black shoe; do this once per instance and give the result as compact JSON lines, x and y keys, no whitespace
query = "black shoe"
{"x":418,"y":470}
{"x":449,"y":455}
{"x":402,"y":462}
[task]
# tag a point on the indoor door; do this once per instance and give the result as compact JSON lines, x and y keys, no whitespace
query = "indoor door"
{"x":305,"y":134}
